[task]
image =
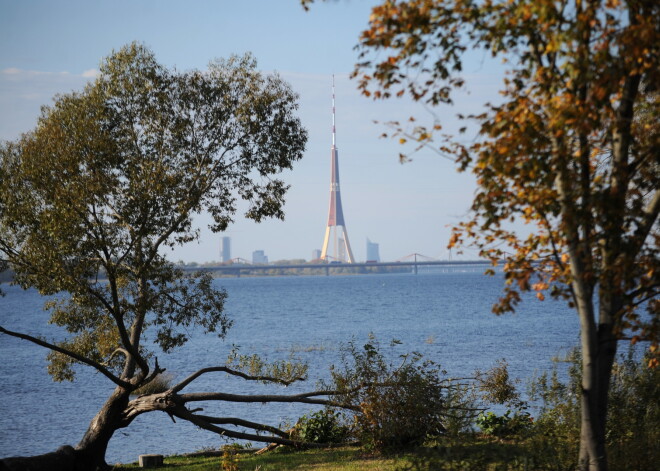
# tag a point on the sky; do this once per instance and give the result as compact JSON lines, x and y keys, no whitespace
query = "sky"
{"x":49,"y":47}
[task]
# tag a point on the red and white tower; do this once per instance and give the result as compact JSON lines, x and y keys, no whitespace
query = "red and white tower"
{"x":336,"y":230}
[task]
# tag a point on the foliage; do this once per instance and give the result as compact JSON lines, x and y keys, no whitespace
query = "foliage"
{"x":399,"y":405}
{"x":634,"y":421}
{"x":230,"y":457}
{"x":114,"y":174}
{"x":497,"y":387}
{"x":633,"y":425}
{"x":286,"y":371}
{"x":571,"y":94}
{"x":506,"y":425}
{"x":323,"y":426}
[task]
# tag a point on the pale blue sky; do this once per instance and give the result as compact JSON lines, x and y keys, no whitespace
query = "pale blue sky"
{"x":49,"y":47}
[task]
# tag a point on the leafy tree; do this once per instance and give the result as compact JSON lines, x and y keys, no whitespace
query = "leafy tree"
{"x":107,"y":182}
{"x":572,"y":150}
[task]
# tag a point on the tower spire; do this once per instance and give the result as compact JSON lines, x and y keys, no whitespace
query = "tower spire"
{"x":334,"y":130}
{"x":336,"y":224}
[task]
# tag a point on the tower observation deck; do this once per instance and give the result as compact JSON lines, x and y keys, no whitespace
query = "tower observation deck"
{"x":335,"y":232}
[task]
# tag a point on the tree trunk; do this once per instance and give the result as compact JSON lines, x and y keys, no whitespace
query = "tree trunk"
{"x":89,"y":455}
{"x":592,"y":426}
{"x":64,"y":459}
{"x":94,"y":444}
{"x":590,"y":452}
{"x":596,"y":376}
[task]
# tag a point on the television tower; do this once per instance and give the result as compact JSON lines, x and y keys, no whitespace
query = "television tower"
{"x":336,"y":226}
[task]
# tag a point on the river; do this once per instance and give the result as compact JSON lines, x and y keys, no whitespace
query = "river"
{"x":446,"y":316}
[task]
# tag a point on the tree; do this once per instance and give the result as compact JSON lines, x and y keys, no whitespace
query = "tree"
{"x":106,"y":183}
{"x":572,"y":151}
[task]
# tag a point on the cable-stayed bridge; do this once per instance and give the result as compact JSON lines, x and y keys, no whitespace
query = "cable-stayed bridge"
{"x":414,"y":262}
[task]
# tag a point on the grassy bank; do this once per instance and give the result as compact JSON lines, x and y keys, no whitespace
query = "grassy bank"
{"x":340,"y":459}
{"x":467,"y":454}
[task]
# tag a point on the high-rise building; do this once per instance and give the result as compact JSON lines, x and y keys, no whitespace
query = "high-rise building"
{"x":372,"y":252}
{"x":225,"y":249}
{"x":259,"y":257}
{"x":316,"y":254}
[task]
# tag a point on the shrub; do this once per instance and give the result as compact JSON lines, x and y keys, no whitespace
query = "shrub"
{"x":633,"y":423}
{"x":398,"y":406}
{"x":323,"y":426}
{"x":230,"y":457}
{"x":504,"y":426}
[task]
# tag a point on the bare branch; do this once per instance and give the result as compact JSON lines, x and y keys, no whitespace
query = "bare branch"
{"x":243,"y":423}
{"x":117,"y":350}
{"x":240,"y":374}
{"x":183,"y":413}
{"x":100,"y":368}
{"x":305,"y":398}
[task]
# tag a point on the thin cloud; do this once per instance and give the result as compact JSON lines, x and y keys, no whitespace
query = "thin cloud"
{"x":14,"y":72}
{"x":90,"y":73}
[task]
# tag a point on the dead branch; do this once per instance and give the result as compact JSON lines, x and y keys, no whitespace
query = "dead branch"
{"x":240,"y":374}
{"x":305,"y":398}
{"x":244,"y":423}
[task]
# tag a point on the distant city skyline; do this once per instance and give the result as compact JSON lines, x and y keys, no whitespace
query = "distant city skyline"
{"x":49,"y":47}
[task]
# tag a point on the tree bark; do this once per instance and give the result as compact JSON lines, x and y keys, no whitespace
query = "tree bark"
{"x":111,"y":417}
{"x":63,"y":459}
{"x":89,"y":454}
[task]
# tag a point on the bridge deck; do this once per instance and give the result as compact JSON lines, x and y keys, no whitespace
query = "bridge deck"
{"x":245,"y":268}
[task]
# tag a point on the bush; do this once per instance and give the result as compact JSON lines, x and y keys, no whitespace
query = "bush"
{"x":504,"y":426}
{"x":323,"y":426}
{"x":398,"y":406}
{"x":633,"y":423}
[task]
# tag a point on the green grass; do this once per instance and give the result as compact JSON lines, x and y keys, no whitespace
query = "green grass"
{"x":466,"y":454}
{"x":339,"y":459}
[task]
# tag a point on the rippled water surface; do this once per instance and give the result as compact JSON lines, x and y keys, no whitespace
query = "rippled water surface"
{"x":444,"y":315}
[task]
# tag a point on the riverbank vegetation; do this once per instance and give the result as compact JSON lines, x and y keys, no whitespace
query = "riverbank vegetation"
{"x":541,"y":433}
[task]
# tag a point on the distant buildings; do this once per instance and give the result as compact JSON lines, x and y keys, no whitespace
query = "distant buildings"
{"x":372,"y":252}
{"x":225,"y":249}
{"x":259,"y":257}
{"x":316,"y":254}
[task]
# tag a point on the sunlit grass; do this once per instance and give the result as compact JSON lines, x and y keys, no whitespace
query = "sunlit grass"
{"x":340,"y":459}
